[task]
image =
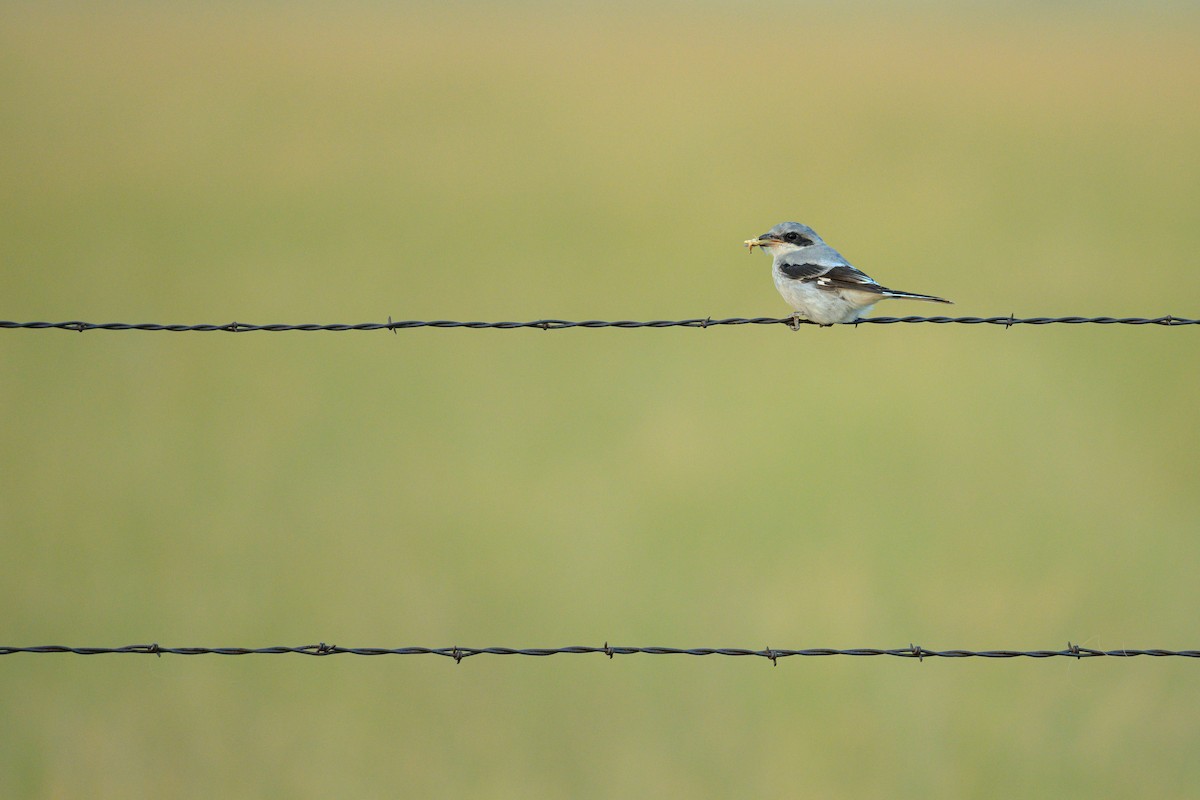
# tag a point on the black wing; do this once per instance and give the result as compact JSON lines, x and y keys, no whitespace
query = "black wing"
{"x":803,"y":272}
{"x":847,"y":277}
{"x":843,"y":276}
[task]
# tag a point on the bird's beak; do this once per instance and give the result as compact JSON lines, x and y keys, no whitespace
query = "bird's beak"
{"x":764,"y":241}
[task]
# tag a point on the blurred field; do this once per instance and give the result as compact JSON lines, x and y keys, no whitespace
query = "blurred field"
{"x":953,"y":487}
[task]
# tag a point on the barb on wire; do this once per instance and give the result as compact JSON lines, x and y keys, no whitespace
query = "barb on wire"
{"x":702,"y":323}
{"x":458,"y":653}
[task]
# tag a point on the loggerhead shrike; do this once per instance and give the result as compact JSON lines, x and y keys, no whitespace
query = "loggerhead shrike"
{"x":817,"y":281}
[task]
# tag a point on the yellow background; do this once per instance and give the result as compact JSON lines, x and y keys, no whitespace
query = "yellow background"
{"x":951,"y":486}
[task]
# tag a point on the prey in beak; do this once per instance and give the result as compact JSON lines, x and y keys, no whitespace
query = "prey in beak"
{"x":761,"y":242}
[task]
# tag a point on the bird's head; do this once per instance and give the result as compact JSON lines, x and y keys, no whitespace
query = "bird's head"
{"x":785,"y":238}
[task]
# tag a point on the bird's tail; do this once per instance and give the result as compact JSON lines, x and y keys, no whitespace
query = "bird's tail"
{"x":914,"y":296}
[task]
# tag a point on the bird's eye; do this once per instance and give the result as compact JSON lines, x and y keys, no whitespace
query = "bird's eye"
{"x":791,"y":236}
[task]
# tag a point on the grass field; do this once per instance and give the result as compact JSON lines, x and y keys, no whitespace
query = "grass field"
{"x":952,"y":486}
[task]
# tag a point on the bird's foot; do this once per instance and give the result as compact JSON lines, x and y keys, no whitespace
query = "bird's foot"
{"x":796,"y":322}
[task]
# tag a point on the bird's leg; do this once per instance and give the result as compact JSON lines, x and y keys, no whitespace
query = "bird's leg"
{"x":795,"y":323}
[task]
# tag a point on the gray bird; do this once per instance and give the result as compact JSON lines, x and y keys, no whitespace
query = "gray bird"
{"x":817,"y":281}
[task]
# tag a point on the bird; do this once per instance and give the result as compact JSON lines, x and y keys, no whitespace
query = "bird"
{"x":817,"y":281}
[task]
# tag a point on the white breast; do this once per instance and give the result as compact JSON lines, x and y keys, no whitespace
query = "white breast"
{"x":824,"y":306}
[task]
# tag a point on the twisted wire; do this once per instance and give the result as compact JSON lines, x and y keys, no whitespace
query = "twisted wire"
{"x":459,"y":653}
{"x":561,"y":324}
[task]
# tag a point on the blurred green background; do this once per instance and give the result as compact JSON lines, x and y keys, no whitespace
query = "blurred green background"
{"x":956,"y":487}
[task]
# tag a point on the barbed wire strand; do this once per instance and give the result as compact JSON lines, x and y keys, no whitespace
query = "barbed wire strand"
{"x":561,"y":324}
{"x":459,"y":653}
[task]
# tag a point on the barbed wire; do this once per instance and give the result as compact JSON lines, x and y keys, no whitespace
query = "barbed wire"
{"x":562,"y":324}
{"x":459,"y":653}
